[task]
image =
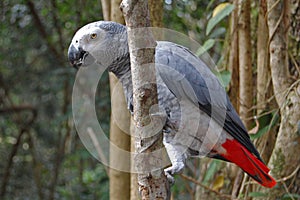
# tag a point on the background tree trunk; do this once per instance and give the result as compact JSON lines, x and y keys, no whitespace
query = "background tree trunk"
{"x":233,"y":61}
{"x":264,"y":144}
{"x":284,"y":159}
{"x":156,"y":8}
{"x":245,"y":62}
{"x":119,"y":182}
{"x":153,"y":184}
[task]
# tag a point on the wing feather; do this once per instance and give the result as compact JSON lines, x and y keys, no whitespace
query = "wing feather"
{"x":189,"y":77}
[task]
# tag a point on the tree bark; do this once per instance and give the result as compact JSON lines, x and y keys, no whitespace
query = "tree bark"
{"x":264,"y":144}
{"x":233,"y":63}
{"x":119,"y":182}
{"x":106,"y":9}
{"x":263,"y":72}
{"x":153,"y":184}
{"x":245,"y":62}
{"x":284,"y":159}
{"x":156,"y":12}
{"x":134,"y":192}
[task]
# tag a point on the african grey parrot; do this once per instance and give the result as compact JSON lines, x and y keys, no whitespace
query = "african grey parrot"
{"x":201,"y":120}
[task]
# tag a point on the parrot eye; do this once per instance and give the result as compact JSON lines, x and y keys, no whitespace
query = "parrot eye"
{"x":93,"y":35}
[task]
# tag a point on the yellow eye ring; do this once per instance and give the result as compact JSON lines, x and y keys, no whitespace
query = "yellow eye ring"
{"x":93,"y":35}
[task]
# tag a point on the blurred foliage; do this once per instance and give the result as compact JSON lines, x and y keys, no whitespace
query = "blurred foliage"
{"x":35,"y":73}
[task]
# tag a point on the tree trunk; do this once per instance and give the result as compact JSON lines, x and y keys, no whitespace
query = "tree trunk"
{"x":233,"y":62}
{"x":245,"y":62}
{"x":263,"y":72}
{"x":156,"y":12}
{"x":264,"y":144}
{"x":119,"y":182}
{"x":134,"y":192}
{"x":285,"y":157}
{"x":116,"y":14}
{"x":106,"y":7}
{"x":153,"y":184}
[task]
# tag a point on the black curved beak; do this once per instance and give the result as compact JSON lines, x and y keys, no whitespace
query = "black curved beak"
{"x":76,"y":56}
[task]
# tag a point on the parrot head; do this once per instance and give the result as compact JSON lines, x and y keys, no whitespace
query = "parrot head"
{"x":96,"y":42}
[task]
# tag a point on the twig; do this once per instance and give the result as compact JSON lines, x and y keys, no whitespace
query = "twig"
{"x":289,"y":176}
{"x":287,"y":191}
{"x":295,"y":62}
{"x":36,"y":169}
{"x":64,"y":127}
{"x":204,"y":186}
{"x":237,"y":184}
{"x":42,"y":30}
{"x":18,"y":108}
{"x":277,"y":24}
{"x":8,"y":168}
{"x":21,"y":108}
{"x":56,"y":25}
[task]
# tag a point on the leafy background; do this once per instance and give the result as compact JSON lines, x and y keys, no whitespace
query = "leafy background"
{"x":41,"y":154}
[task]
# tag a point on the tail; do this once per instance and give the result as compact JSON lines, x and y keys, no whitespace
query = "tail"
{"x":255,"y":168}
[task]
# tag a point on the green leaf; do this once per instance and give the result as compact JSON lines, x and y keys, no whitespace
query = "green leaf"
{"x":211,"y":170}
{"x":208,"y":44}
{"x":225,"y":77}
{"x":290,"y":196}
{"x":266,"y":128}
{"x":220,"y":14}
{"x":257,"y":194}
{"x":217,"y":32}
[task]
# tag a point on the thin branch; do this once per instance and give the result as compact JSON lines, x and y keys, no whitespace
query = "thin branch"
{"x":277,"y":24}
{"x":56,"y":25}
{"x":19,"y":108}
{"x":237,"y":185}
{"x":289,"y":176}
{"x":295,"y":62}
{"x":8,"y":168}
{"x":38,"y":22}
{"x":61,"y":145}
{"x":287,"y":191}
{"x":204,"y":186}
{"x":189,"y":189}
{"x":59,"y":158}
{"x":36,"y":169}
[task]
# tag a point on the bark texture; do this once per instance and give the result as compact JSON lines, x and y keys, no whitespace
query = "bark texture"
{"x":263,"y":72}
{"x":284,"y":160}
{"x":119,"y":182}
{"x":264,"y":144}
{"x":156,"y":12}
{"x":245,"y":62}
{"x":233,"y":62}
{"x":152,"y":183}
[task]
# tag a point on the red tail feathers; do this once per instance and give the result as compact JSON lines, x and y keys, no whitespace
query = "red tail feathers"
{"x":239,"y":155}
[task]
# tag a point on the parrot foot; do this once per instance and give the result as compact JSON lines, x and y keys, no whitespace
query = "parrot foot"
{"x":170,"y":178}
{"x":176,"y":168}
